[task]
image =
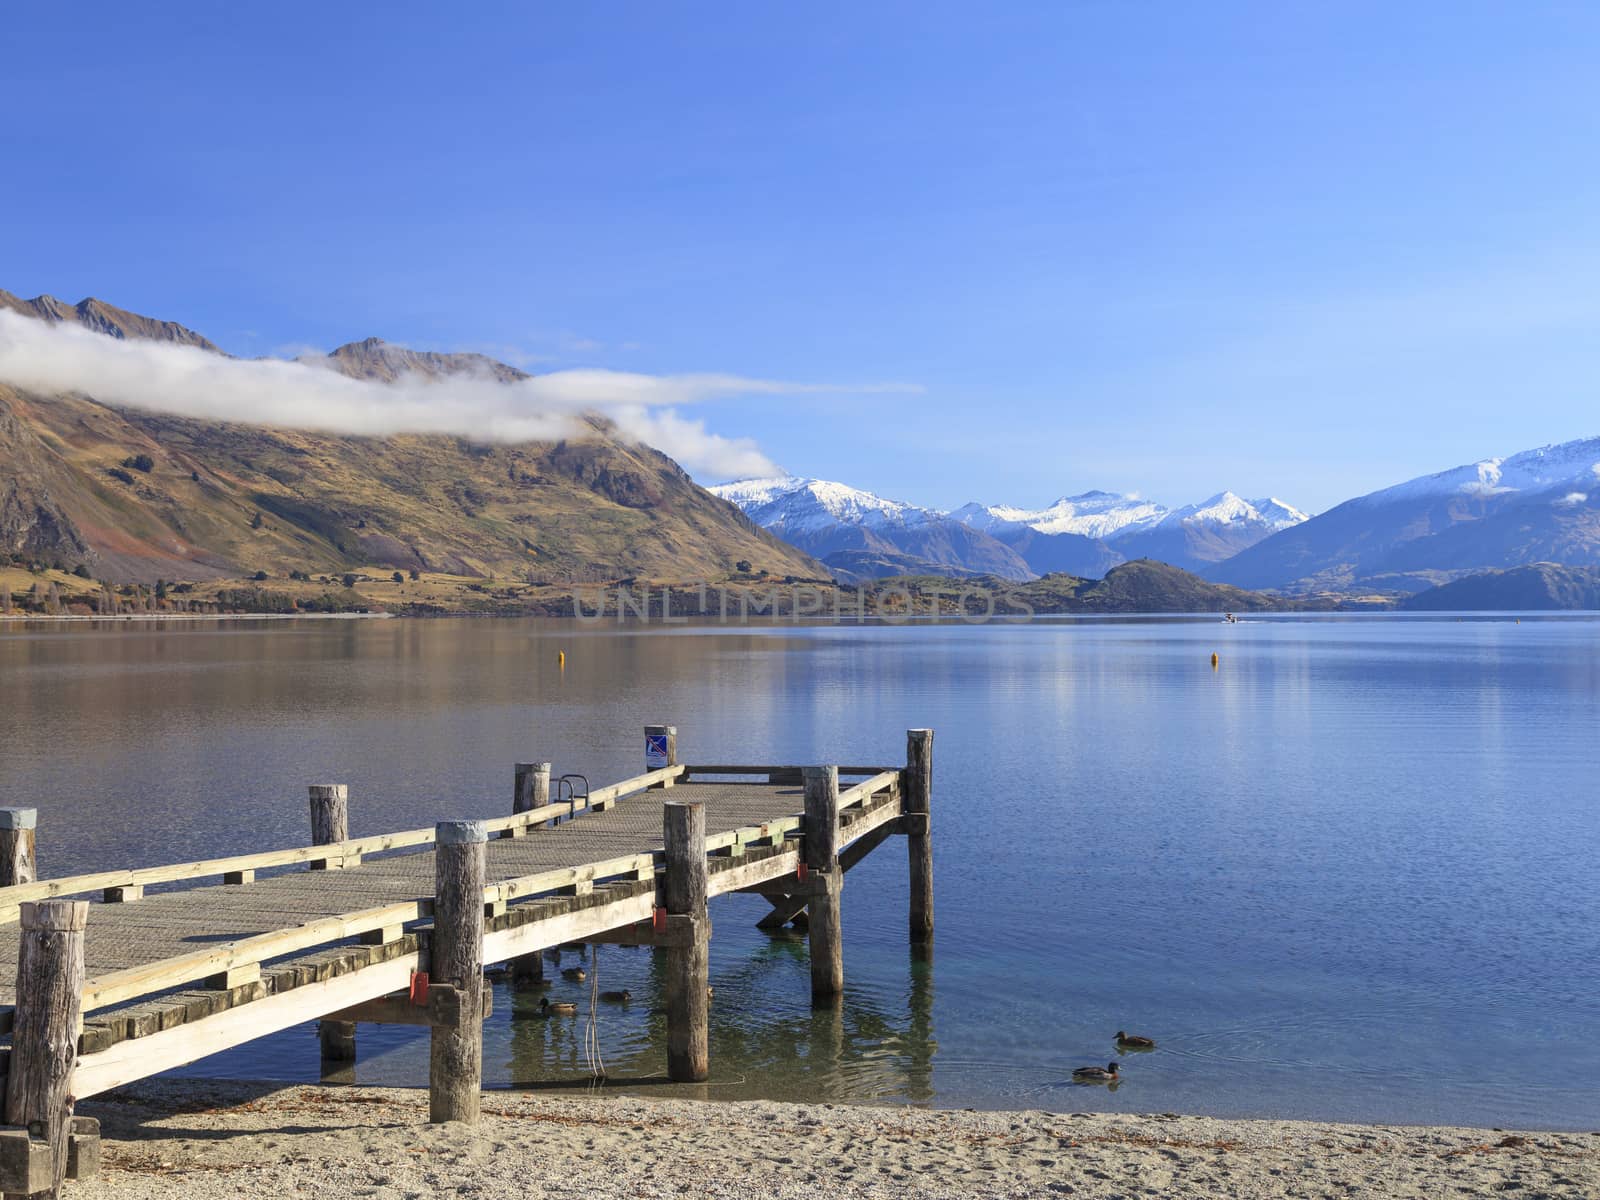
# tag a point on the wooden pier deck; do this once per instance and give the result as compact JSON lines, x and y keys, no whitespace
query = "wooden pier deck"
{"x":398,"y":927}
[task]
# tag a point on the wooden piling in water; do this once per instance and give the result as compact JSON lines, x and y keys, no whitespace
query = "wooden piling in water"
{"x":44,"y":1038}
{"x":330,"y":821}
{"x":17,"y":847}
{"x":919,"y":842}
{"x":530,"y":790}
{"x":330,"y":825}
{"x":688,"y":967}
{"x":455,"y":1058}
{"x":825,"y":883}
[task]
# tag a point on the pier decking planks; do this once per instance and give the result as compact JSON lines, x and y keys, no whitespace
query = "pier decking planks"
{"x":167,"y":924}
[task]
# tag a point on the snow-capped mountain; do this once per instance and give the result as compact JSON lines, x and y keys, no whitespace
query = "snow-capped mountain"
{"x":1198,"y":535}
{"x":858,"y":535}
{"x":789,"y":504}
{"x":862,"y":534}
{"x":1573,"y":466}
{"x":1227,"y":509}
{"x":1089,"y":533}
{"x":1093,"y":514}
{"x":1541,"y":505}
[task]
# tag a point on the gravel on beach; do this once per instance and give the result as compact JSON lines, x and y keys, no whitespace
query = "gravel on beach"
{"x":200,"y":1138}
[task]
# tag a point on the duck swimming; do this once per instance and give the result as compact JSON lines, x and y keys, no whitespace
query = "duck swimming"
{"x":1106,"y":1074}
{"x":561,"y":1008}
{"x":621,"y":997}
{"x":576,"y":974}
{"x":1132,"y":1042}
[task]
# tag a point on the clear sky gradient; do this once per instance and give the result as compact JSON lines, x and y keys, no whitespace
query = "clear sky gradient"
{"x":1291,"y":249}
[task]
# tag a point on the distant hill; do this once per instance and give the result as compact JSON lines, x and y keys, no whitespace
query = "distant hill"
{"x":1141,"y":586}
{"x":1540,"y":505}
{"x":136,"y":496}
{"x":1535,"y":588}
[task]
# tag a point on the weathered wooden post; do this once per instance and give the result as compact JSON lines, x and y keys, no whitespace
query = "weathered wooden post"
{"x":530,"y":790}
{"x":688,"y":966}
{"x":330,"y":825}
{"x":17,"y":830}
{"x":455,"y":960}
{"x":919,"y":842}
{"x":660,"y":749}
{"x":44,"y":1039}
{"x":824,"y":883}
{"x":330,"y":822}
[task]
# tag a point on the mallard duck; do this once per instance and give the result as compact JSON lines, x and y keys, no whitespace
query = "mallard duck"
{"x":576,"y":974}
{"x":561,"y":1008}
{"x":1131,"y":1042}
{"x":621,"y":997}
{"x":1106,"y":1074}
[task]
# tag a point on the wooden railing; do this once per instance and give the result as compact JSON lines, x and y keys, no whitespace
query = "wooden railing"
{"x":334,"y":854}
{"x":117,"y":987}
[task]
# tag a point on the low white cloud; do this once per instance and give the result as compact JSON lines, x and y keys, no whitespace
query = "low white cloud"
{"x":185,"y":381}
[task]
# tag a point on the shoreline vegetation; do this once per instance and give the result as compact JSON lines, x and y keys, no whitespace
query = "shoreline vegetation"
{"x":227,"y":1138}
{"x":1145,"y":586}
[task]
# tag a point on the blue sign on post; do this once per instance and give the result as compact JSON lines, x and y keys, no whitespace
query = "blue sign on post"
{"x":655,"y":751}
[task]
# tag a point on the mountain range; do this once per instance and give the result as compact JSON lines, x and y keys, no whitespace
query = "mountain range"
{"x":1536,"y":506}
{"x":1540,"y":505}
{"x":132,"y":495}
{"x":860,"y":535}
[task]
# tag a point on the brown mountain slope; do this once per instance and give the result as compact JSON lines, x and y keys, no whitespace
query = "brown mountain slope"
{"x":222,"y":500}
{"x":375,"y":358}
{"x":103,"y":318}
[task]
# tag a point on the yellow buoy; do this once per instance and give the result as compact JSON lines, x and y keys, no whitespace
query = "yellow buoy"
{"x":1213,"y":659}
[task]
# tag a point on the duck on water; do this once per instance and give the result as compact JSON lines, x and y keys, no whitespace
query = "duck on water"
{"x":1105,"y":1074}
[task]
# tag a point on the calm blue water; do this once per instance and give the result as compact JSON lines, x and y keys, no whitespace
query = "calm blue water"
{"x":1353,"y":872}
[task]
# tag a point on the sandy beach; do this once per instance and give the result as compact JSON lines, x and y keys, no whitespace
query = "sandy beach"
{"x":202,"y":1138}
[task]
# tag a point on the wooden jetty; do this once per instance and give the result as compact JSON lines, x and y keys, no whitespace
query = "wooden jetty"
{"x":398,"y":928}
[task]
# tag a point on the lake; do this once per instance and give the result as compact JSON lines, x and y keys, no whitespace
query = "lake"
{"x":1348,"y":873}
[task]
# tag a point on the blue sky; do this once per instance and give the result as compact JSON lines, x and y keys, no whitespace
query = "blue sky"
{"x":1303,"y":250}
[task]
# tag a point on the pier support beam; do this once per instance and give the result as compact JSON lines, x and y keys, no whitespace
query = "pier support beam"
{"x":455,"y":1059}
{"x":660,"y":749}
{"x":44,"y":1040}
{"x":822,"y":868}
{"x":17,"y":831}
{"x":688,"y":966}
{"x":919,"y":842}
{"x":330,"y":824}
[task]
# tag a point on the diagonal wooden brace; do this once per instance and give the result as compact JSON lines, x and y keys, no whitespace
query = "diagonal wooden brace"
{"x":785,"y":908}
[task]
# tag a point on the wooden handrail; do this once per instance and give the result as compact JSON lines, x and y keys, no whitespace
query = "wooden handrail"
{"x":334,"y":854}
{"x":117,"y":987}
{"x":721,"y":769}
{"x":868,"y":788}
